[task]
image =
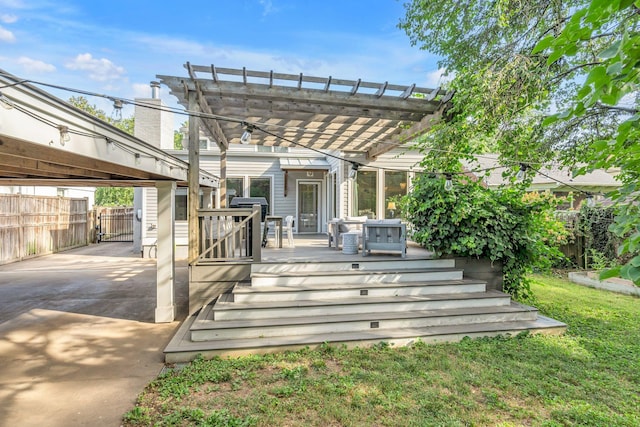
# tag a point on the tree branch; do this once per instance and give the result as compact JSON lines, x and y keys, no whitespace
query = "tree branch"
{"x":617,"y":108}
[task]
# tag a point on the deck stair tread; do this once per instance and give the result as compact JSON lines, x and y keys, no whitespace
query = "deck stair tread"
{"x":342,"y":265}
{"x":181,"y":342}
{"x":246,"y":289}
{"x":354,"y":272}
{"x":208,"y":323}
{"x":224,"y":306}
{"x":293,"y":305}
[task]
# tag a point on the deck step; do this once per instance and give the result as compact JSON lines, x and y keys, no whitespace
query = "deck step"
{"x":334,"y":290}
{"x":265,"y":310}
{"x":182,"y":349}
{"x":362,"y":265}
{"x":203,"y":330}
{"x":353,"y":277}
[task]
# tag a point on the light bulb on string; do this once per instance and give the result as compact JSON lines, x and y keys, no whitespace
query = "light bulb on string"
{"x":116,"y":114}
{"x":64,"y":134}
{"x":246,"y":135}
{"x":591,"y":201}
{"x":522,"y":173}
{"x":353,"y":173}
{"x":448,"y":182}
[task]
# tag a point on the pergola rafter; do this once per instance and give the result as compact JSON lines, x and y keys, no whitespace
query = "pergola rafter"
{"x":317,"y":112}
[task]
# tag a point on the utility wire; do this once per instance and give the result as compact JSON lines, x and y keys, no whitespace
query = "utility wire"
{"x":259,"y":126}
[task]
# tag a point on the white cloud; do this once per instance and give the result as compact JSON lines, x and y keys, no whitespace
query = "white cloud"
{"x":267,"y":7}
{"x":100,"y":70}
{"x":35,"y":66}
{"x":6,"y":35}
{"x":438,"y":78}
{"x":8,"y":19}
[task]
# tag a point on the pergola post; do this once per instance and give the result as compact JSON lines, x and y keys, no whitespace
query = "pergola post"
{"x":223,"y":177}
{"x":193,"y":178}
{"x":165,"y":304}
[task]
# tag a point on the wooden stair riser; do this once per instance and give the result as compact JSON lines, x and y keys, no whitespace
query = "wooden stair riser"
{"x":329,"y":310}
{"x":359,"y":292}
{"x":357,"y":326}
{"x":311,"y":267}
{"x":353,"y":278}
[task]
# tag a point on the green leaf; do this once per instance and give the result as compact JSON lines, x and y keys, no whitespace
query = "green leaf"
{"x":586,"y":90}
{"x":555,"y":55}
{"x":551,"y":119}
{"x":615,"y":68}
{"x":611,"y":51}
{"x":597,"y":74}
{"x":543,"y":44}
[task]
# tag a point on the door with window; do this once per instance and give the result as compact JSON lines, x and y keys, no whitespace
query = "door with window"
{"x":308,"y":207}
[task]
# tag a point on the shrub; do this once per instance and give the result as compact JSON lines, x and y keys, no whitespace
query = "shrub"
{"x":506,"y":225}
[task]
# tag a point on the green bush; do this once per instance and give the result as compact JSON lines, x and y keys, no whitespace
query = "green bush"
{"x":504,"y":225}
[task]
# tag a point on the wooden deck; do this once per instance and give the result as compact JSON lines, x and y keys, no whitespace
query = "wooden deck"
{"x":315,"y":248}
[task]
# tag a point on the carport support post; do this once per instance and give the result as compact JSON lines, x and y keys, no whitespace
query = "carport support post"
{"x":165,"y":305}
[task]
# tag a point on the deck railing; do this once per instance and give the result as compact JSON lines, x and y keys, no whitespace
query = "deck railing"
{"x":229,"y":235}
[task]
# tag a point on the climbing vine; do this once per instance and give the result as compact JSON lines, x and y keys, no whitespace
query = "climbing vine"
{"x":507,"y":225}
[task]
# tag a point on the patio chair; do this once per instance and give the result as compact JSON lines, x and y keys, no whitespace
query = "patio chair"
{"x":288,"y":227}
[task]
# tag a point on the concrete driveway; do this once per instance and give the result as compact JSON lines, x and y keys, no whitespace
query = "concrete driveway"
{"x":77,"y":338}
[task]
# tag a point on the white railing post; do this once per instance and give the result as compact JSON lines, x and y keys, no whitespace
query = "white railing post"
{"x":256,"y":251}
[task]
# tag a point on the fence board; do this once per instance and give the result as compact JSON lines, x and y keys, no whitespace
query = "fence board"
{"x":39,"y":225}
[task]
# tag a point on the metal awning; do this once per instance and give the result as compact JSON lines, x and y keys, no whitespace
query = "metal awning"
{"x":297,"y":163}
{"x":321,"y":113}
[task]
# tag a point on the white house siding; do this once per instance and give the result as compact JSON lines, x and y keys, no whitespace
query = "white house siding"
{"x":245,"y":162}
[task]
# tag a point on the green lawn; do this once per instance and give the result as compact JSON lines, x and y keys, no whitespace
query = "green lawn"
{"x":588,"y":377}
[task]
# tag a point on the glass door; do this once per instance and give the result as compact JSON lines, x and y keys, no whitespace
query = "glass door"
{"x":308,"y":207}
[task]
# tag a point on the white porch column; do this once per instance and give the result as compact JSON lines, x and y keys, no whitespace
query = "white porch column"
{"x":165,"y":304}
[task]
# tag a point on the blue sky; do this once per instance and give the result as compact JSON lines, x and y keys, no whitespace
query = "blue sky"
{"x":118,"y":47}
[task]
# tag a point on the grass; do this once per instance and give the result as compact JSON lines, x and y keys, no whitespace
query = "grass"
{"x":588,"y":377}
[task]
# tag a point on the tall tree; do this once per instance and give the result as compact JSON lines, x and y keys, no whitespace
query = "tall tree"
{"x":126,"y":124}
{"x":514,"y":63}
{"x":108,"y":196}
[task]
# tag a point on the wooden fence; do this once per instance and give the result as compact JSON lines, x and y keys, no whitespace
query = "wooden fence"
{"x":38,"y":225}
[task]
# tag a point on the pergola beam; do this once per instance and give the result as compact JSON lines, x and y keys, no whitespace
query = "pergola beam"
{"x":316,"y":112}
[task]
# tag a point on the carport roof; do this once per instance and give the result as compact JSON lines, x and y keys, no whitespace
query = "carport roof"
{"x":322,"y":113}
{"x":34,"y":151}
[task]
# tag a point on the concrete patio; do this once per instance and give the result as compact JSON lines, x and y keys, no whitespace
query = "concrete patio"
{"x":78,"y":342}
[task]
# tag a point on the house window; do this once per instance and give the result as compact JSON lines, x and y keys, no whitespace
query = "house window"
{"x":181,"y":206}
{"x":366,"y":191}
{"x":395,"y":186}
{"x":261,"y":187}
{"x":271,"y":149}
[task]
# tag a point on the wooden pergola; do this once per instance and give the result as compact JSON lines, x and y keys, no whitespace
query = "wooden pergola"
{"x":316,"y":112}
{"x":320,"y":113}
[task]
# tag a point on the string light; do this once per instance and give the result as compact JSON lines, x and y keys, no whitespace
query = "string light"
{"x":591,"y":201}
{"x":353,"y":173}
{"x":246,"y":135}
{"x":448,"y":182}
{"x":116,"y":114}
{"x":138,"y":158}
{"x":64,"y":134}
{"x":522,"y":173}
